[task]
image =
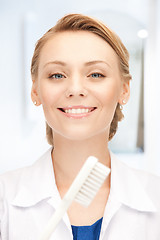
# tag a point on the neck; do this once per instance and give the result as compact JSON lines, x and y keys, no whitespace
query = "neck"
{"x":69,"y":156}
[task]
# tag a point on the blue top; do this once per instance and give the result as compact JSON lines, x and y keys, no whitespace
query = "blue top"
{"x":91,"y":232}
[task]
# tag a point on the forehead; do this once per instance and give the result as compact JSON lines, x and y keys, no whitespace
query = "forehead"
{"x":77,"y":46}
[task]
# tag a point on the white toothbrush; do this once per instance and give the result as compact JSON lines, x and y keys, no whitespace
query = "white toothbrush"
{"x":83,"y":190}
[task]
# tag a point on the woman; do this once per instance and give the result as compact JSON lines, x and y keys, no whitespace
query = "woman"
{"x":80,"y":75}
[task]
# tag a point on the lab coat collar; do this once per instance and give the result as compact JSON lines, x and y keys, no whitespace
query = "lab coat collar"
{"x":37,"y":183}
{"x":127,"y":188}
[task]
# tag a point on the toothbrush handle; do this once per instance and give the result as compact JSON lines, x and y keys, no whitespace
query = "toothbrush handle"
{"x":55,"y":219}
{"x":62,"y":208}
{"x":68,"y":198}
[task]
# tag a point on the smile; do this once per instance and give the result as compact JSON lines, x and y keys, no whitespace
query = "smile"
{"x":77,"y":111}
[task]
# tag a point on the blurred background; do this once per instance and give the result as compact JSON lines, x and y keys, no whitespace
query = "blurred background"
{"x":22,"y":125}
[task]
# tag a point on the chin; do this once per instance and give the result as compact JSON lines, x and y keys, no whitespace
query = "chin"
{"x":81,"y":136}
{"x":80,"y":133}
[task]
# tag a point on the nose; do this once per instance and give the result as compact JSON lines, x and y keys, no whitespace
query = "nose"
{"x":76,"y":88}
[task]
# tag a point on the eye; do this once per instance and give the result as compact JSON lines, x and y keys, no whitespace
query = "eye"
{"x":97,"y":75}
{"x":56,"y":76}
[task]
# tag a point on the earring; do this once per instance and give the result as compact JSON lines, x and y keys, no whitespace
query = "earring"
{"x":121,"y":107}
{"x":35,"y":103}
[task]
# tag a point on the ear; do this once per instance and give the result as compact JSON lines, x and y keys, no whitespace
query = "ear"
{"x":34,"y":93}
{"x":125,"y":93}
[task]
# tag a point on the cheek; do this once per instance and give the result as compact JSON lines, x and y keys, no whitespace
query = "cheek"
{"x":109,"y":94}
{"x":49,"y":94}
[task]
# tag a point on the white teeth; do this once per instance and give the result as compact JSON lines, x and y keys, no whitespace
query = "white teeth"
{"x":78,"y":110}
{"x":74,"y":110}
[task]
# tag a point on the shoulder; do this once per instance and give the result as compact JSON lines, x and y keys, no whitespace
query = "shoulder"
{"x":151,"y":184}
{"x":10,"y":181}
{"x":8,"y":184}
{"x":135,"y":186}
{"x":146,"y":178}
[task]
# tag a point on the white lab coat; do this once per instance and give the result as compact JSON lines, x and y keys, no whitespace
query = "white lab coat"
{"x":29,"y":197}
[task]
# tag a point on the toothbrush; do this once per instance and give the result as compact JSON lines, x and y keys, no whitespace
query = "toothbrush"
{"x":83,"y":190}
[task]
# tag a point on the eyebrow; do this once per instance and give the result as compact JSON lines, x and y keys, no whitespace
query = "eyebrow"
{"x":96,"y":62}
{"x":86,"y":64}
{"x":56,"y":62}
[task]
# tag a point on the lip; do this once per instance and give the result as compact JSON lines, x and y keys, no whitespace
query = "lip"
{"x":77,"y":115}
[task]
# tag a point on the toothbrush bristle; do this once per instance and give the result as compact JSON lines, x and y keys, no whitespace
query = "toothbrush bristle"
{"x":92,"y":184}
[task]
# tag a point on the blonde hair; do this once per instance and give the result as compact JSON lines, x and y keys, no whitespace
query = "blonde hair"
{"x":79,"y":22}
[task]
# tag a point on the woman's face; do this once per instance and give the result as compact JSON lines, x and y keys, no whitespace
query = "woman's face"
{"x":79,"y":84}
